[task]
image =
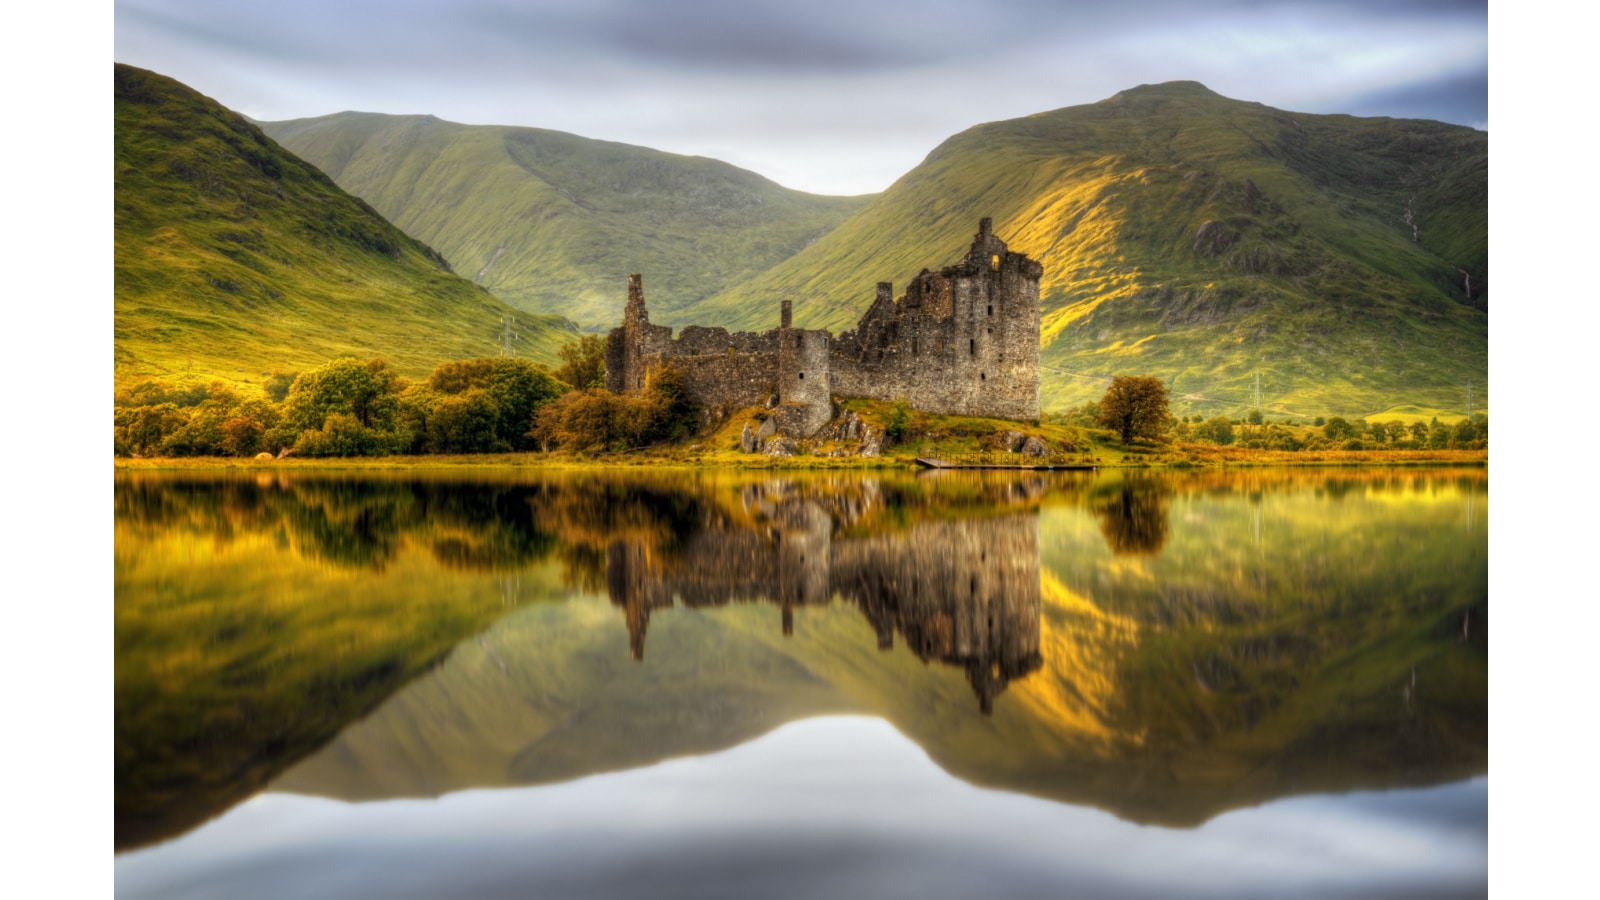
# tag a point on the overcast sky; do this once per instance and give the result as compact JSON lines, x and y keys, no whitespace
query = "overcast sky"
{"x":831,"y":96}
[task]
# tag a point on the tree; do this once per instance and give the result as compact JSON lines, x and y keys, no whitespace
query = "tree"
{"x":583,"y":363}
{"x":366,"y":391}
{"x":1338,"y":429}
{"x":517,"y":387}
{"x":1135,"y":406}
{"x":1217,"y":429}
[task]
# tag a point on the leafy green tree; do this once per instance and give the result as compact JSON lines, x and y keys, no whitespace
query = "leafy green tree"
{"x":1338,"y":429}
{"x":597,"y":418}
{"x":583,"y":363}
{"x":343,"y":434}
{"x":1419,"y":433}
{"x":899,"y":421}
{"x":155,"y":393}
{"x":1217,"y":429}
{"x":1254,"y":418}
{"x":1438,"y":436}
{"x":465,"y":423}
{"x":516,"y":387}
{"x":366,"y":392}
{"x":277,"y":386}
{"x":672,"y":415}
{"x":202,"y":435}
{"x":1135,"y":406}
{"x":142,"y":430}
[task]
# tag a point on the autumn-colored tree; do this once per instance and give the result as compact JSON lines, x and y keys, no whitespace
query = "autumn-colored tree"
{"x":1135,"y":406}
{"x":583,"y":363}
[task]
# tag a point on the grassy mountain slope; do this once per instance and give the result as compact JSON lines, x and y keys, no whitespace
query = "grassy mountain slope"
{"x":235,"y":258}
{"x":553,"y":222}
{"x":1200,"y":239}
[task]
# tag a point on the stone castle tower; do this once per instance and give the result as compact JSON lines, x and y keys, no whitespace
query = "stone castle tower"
{"x":963,"y":340}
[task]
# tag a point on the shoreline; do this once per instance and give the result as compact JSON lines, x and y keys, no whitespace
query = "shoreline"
{"x":1230,"y":460}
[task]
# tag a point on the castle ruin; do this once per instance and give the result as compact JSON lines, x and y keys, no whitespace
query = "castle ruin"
{"x":963,"y":340}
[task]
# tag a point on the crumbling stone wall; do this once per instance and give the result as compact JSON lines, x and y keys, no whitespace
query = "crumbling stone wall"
{"x":963,"y":340}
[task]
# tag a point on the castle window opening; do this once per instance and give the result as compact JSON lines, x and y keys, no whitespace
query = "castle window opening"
{"x":991,"y":309}
{"x":972,"y":346}
{"x":994,"y":262}
{"x":799,"y":341}
{"x":913,"y":346}
{"x":802,"y":376}
{"x":983,"y":376}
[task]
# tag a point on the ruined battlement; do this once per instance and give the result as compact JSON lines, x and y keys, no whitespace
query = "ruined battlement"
{"x":963,"y":340}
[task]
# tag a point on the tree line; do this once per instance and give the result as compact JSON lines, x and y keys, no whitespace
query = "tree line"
{"x":1138,"y":407}
{"x":348,"y":407}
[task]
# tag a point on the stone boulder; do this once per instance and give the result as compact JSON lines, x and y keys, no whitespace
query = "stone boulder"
{"x":871,"y":441}
{"x":780,"y":446}
{"x":1033,"y":446}
{"x":747,"y":439}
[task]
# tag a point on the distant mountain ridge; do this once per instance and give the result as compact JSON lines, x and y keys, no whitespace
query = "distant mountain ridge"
{"x":1197,"y":238}
{"x":554,"y":222}
{"x":234,"y":258}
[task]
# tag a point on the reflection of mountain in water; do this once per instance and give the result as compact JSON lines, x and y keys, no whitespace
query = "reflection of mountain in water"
{"x":961,"y":592}
{"x":1168,"y":648}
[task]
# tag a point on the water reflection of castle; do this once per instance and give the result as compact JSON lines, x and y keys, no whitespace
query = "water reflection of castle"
{"x":962,"y":592}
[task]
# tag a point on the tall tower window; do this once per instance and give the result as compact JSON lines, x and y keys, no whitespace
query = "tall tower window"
{"x":972,"y":346}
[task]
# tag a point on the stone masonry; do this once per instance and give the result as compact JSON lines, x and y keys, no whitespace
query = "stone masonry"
{"x":963,"y":340}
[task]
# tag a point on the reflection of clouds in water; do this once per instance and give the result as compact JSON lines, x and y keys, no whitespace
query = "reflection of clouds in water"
{"x":824,"y":807}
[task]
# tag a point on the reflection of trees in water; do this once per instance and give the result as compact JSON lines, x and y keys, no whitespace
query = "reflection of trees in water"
{"x":349,"y":523}
{"x":1133,"y":516}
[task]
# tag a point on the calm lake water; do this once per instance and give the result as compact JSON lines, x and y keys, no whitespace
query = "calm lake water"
{"x":1259,"y":683}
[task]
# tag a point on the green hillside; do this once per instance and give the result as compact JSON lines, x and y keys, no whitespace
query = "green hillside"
{"x":553,"y":222}
{"x":235,"y":258}
{"x":1197,"y":238}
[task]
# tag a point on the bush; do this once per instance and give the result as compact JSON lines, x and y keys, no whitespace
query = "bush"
{"x":899,"y":421}
{"x":343,"y":435}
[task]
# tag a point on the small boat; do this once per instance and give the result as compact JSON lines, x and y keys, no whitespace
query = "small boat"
{"x":932,"y":463}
